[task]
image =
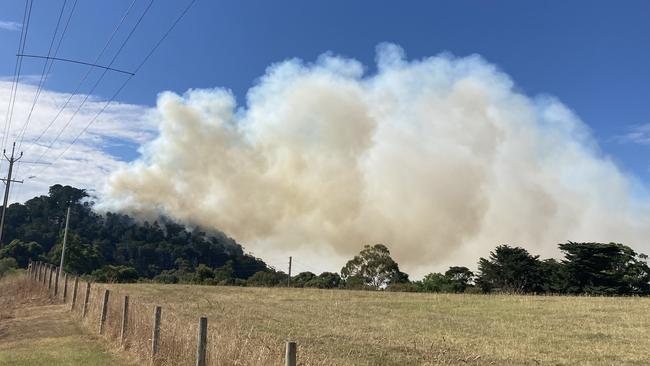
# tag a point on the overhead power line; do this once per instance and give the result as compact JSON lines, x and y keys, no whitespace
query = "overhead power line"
{"x":17,"y":69}
{"x":117,"y":92}
{"x":101,"y":77}
{"x":85,"y":76}
{"x":77,"y":62}
{"x":45,"y":73}
{"x":47,"y":66}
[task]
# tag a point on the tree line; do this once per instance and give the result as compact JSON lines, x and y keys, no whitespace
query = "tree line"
{"x":114,"y":247}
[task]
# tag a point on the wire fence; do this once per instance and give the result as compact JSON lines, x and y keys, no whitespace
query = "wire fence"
{"x":153,"y":334}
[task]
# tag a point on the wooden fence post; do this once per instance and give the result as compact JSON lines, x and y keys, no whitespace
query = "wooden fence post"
{"x":74,"y":292}
{"x":39,"y":272}
{"x":56,"y":281}
{"x":290,"y":355}
{"x":156,"y":332}
{"x":85,"y":309}
{"x":49,"y":283}
{"x":125,"y":318}
{"x":203,"y":337}
{"x":65,"y":286}
{"x":102,"y":318}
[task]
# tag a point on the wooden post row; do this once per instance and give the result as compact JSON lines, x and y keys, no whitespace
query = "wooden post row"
{"x":102,"y":318}
{"x":203,"y":338}
{"x":156,"y":332}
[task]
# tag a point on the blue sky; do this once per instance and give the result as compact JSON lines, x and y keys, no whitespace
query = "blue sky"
{"x":592,"y":55}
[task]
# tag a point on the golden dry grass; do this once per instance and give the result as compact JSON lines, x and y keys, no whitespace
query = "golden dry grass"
{"x":248,"y":326}
{"x":36,"y":330}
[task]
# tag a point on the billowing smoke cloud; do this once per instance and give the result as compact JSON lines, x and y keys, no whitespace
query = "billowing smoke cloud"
{"x":442,"y":159}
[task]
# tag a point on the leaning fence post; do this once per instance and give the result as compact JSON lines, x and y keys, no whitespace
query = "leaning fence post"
{"x":125,"y":318}
{"x":102,"y":318}
{"x":156,"y":332}
{"x":74,"y":292}
{"x":49,"y":283}
{"x":85,"y":310}
{"x":56,"y":282}
{"x":65,"y":286}
{"x":203,"y":337}
{"x":290,"y":354}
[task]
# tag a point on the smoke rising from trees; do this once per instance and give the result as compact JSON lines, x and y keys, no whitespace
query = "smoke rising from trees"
{"x":440,"y":158}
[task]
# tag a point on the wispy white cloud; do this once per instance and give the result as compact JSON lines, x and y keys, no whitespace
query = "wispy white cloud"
{"x":9,"y":25}
{"x":637,"y":134}
{"x":88,"y":162}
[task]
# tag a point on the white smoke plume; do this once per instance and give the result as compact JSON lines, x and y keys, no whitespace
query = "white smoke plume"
{"x":441,"y":159}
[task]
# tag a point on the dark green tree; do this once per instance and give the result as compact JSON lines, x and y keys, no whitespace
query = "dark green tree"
{"x":436,"y":282}
{"x":509,"y":270}
{"x":374,"y":266}
{"x":325,"y":280}
{"x":161,"y":247}
{"x":113,"y":274}
{"x":605,"y":269}
{"x":267,"y":279}
{"x":553,"y":276}
{"x":301,"y":279}
{"x":22,"y":252}
{"x":459,"y":278}
{"x":7,"y":265}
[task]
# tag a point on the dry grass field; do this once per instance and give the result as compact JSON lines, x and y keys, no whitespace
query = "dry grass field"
{"x":35,"y":330}
{"x":248,"y":326}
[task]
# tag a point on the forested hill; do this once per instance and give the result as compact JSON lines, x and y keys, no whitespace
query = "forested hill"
{"x":116,"y":247}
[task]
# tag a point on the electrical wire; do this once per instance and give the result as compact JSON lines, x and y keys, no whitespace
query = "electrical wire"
{"x":47,"y":66}
{"x":85,"y":76}
{"x":17,"y":69}
{"x":47,"y":69}
{"x":117,"y":92}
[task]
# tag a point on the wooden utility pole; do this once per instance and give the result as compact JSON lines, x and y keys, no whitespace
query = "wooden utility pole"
{"x":7,"y":181}
{"x":65,"y":239}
